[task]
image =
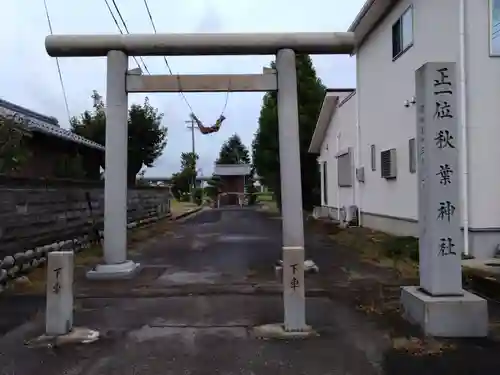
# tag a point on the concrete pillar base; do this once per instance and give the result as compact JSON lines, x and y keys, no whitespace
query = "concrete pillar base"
{"x":460,"y":316}
{"x":125,"y":270}
{"x":278,"y":331}
{"x":78,"y":335}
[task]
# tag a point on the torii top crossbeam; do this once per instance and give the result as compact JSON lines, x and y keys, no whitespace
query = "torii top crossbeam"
{"x":199,"y":44}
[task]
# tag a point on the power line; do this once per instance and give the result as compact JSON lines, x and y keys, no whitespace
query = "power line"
{"x":126,"y":29}
{"x":154,"y":28}
{"x":192,"y":126}
{"x":165,"y":59}
{"x":57,"y":63}
{"x":128,"y":32}
{"x":119,"y":27}
{"x":172,"y":73}
{"x":120,"y":15}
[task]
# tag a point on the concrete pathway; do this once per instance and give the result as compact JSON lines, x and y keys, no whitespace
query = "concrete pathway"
{"x":205,"y":283}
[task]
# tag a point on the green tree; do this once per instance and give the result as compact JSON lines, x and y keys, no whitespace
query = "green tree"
{"x":147,"y":138}
{"x":265,"y":152}
{"x":188,"y":161}
{"x":233,"y":151}
{"x":213,"y":186}
{"x":92,"y":125}
{"x":250,"y":187}
{"x":183,"y":180}
{"x":14,"y":152}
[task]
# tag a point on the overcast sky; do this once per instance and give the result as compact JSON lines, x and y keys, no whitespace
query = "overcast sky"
{"x":28,"y":76}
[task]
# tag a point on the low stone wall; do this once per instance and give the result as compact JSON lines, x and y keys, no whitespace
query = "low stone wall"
{"x":37,"y":212}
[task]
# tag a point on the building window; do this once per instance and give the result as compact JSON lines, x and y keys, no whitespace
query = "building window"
{"x":373,"y":157}
{"x":495,"y":27}
{"x":325,"y":184}
{"x":412,"y":155}
{"x":344,"y":169}
{"x":388,"y":166}
{"x":402,"y":33}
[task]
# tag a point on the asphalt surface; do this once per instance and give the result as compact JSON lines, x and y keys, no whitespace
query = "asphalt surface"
{"x":191,"y":332}
{"x":207,"y":281}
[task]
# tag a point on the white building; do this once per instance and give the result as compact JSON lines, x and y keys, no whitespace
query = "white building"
{"x":366,"y":139}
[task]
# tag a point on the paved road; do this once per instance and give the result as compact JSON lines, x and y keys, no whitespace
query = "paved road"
{"x":192,"y":332}
{"x":217,"y":246}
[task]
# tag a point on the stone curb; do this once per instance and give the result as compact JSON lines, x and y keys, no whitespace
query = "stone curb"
{"x":22,"y":263}
{"x":482,"y":283}
{"x":187,"y":213}
{"x":200,"y":290}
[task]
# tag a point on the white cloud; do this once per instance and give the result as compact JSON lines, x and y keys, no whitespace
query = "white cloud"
{"x":29,"y":77}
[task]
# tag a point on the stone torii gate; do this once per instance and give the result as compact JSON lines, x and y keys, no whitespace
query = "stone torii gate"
{"x":121,"y":81}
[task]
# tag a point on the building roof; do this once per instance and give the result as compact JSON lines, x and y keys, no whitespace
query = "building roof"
{"x":232,"y":169}
{"x":372,"y":12}
{"x":169,"y":179}
{"x":333,"y":99}
{"x":36,"y":122}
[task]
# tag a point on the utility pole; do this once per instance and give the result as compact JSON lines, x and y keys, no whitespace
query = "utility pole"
{"x":202,"y":186}
{"x":192,"y":126}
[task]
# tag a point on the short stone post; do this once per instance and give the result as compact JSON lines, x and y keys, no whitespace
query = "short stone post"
{"x":440,"y":305}
{"x":59,"y":309}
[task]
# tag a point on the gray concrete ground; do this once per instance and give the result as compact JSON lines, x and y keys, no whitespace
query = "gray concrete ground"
{"x":205,"y":283}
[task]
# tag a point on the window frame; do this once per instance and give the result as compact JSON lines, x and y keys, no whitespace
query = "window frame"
{"x":325,"y":183}
{"x":373,"y":157}
{"x":345,"y":169}
{"x":403,"y":48}
{"x":490,"y":30}
{"x":392,"y":167}
{"x":412,"y":155}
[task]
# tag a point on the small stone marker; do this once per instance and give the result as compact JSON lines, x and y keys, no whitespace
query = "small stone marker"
{"x":441,"y":241}
{"x":293,"y":288}
{"x":59,"y":309}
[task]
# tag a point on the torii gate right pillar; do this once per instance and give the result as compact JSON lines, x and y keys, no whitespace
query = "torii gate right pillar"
{"x":291,"y":192}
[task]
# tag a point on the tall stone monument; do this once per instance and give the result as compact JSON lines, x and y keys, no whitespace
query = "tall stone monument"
{"x":439,"y":304}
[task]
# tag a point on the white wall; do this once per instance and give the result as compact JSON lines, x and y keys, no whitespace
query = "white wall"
{"x":384,"y":85}
{"x":341,"y":124}
{"x":483,"y":80}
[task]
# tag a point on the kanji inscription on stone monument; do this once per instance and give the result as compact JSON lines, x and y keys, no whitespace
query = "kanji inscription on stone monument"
{"x":293,"y":287}
{"x":440,"y":237}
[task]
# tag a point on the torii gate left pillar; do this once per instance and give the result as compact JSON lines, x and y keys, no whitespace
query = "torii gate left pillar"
{"x":117,"y":48}
{"x":115,"y":174}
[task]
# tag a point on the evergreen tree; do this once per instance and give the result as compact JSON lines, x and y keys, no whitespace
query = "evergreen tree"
{"x":233,"y":151}
{"x":265,"y":151}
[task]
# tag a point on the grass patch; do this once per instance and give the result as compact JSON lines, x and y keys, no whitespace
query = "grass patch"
{"x":264,"y":197}
{"x":178,"y":208}
{"x":270,"y":206}
{"x":381,"y":249}
{"x":90,"y":256}
{"x":421,"y":347}
{"x":35,"y":281}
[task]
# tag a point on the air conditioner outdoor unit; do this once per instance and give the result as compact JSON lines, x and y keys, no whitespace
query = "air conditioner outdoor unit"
{"x":353,"y":216}
{"x":343,"y":214}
